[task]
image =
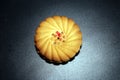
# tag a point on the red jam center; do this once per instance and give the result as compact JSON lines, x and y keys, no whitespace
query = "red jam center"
{"x":58,"y":37}
{"x":58,"y":33}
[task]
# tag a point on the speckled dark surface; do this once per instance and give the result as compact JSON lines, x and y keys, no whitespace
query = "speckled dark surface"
{"x":99,"y":58}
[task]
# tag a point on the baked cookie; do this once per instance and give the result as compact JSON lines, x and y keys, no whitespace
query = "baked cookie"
{"x":58,"y":39}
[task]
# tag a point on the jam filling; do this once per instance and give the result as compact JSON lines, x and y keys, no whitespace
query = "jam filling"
{"x":58,"y":37}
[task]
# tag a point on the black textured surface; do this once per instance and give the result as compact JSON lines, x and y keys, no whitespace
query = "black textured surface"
{"x":99,"y":58}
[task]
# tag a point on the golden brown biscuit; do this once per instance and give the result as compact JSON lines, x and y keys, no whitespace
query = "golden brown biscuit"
{"x":58,"y":38}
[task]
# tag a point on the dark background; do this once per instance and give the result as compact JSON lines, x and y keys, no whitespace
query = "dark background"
{"x":99,"y":58}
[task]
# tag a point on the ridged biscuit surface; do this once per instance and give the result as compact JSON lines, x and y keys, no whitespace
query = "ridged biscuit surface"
{"x":58,"y":38}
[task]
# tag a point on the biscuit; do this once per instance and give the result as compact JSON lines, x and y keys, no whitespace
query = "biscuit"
{"x":58,"y":38}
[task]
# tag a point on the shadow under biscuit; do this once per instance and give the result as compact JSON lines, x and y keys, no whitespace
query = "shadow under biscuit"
{"x":54,"y":62}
